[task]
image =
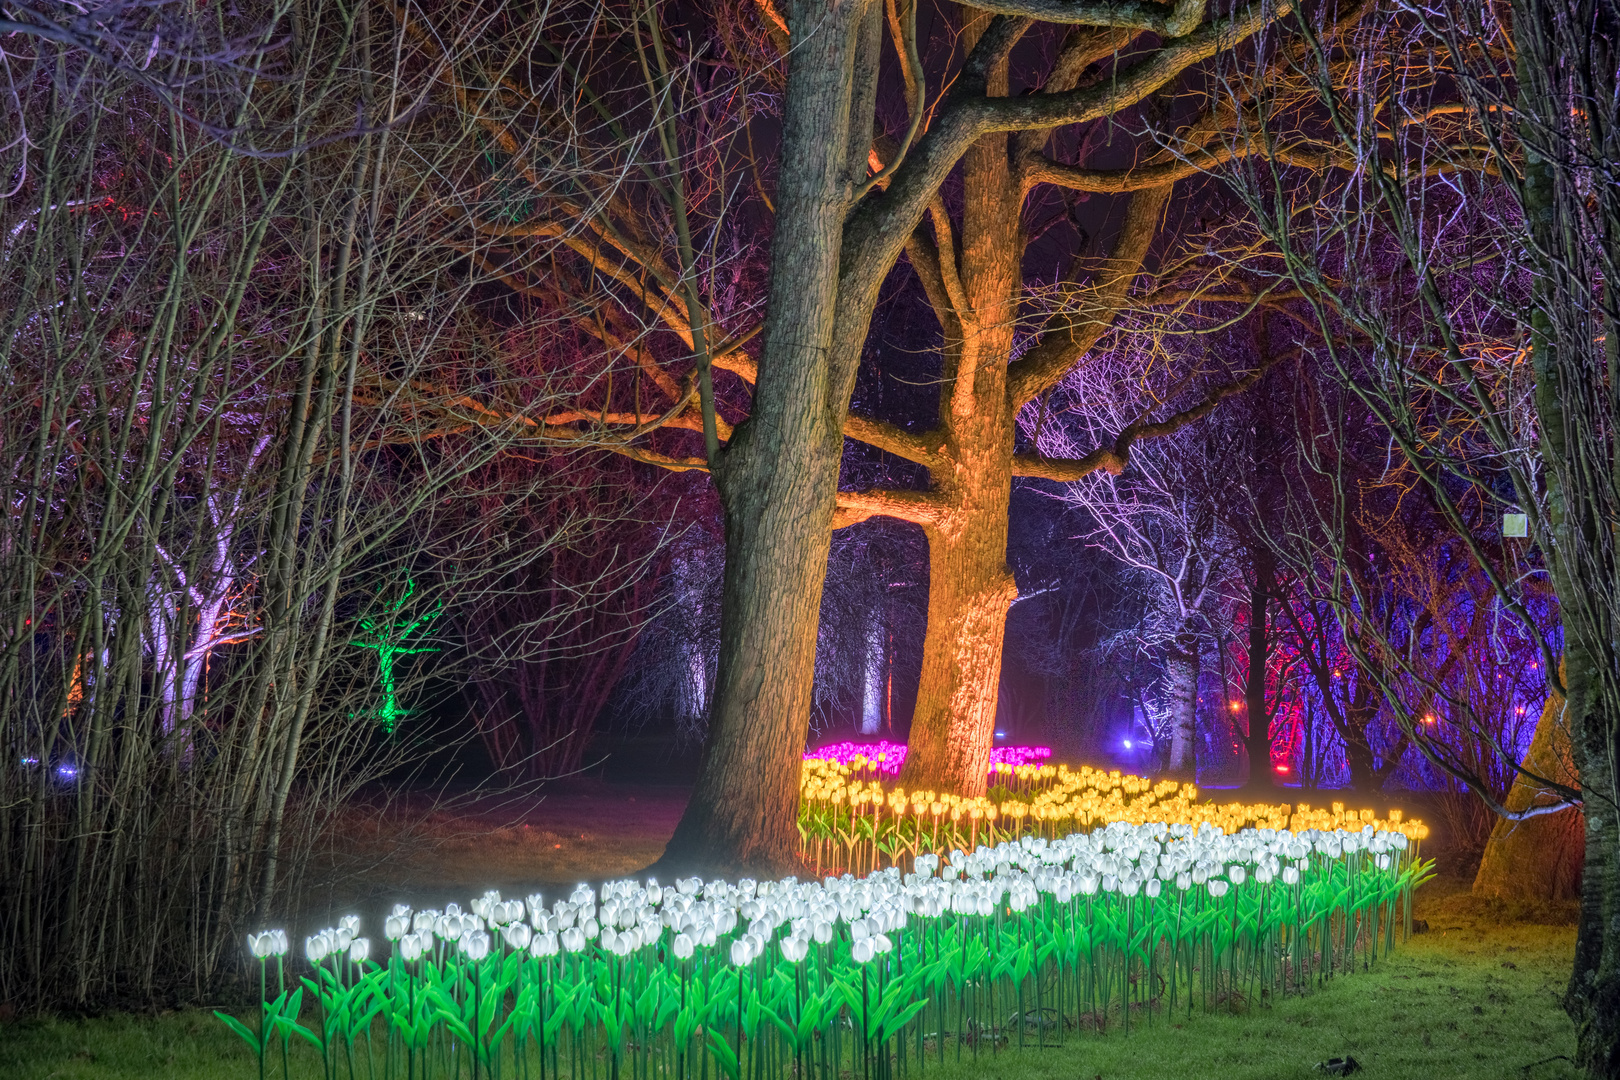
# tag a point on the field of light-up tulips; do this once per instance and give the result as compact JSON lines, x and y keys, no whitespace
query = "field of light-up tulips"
{"x":851,"y":819}
{"x":1019,"y":943}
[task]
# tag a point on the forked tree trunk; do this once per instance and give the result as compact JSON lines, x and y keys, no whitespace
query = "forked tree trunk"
{"x":1539,"y":858}
{"x":1181,"y":688}
{"x":970,"y":588}
{"x":778,"y":476}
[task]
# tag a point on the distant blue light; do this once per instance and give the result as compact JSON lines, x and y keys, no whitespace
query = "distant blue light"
{"x":30,"y":762}
{"x":1127,"y":744}
{"x":1001,"y":734}
{"x":66,"y":771}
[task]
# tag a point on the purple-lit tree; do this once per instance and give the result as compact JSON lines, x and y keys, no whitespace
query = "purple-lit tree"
{"x":1462,"y":282}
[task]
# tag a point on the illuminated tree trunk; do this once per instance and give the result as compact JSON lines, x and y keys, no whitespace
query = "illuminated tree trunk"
{"x":969,"y":585}
{"x":778,"y":475}
{"x":953,"y":727}
{"x":1538,"y":858}
{"x":1181,"y":687}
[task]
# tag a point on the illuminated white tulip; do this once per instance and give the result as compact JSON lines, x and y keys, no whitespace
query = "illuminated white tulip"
{"x":862,"y":951}
{"x":359,"y":950}
{"x":351,"y":923}
{"x":317,"y":947}
{"x":411,"y":948}
{"x":1217,"y":888}
{"x":573,"y":939}
{"x":1290,"y":875}
{"x":475,"y":945}
{"x":395,"y":926}
{"x":1237,"y":874}
{"x":544,"y":945}
{"x":683,"y":946}
{"x":795,"y":948}
{"x":517,"y":935}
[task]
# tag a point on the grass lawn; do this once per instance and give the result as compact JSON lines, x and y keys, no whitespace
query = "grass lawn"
{"x":1476,"y":996}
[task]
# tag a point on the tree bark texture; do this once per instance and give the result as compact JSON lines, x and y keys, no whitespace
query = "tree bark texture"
{"x":1538,"y":858}
{"x":778,"y":477}
{"x":970,"y":587}
{"x":1565,"y":71}
{"x":1181,"y":688}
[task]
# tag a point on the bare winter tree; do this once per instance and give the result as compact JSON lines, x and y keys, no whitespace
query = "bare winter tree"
{"x":231,"y":378}
{"x":1470,"y":259}
{"x":1162,"y":520}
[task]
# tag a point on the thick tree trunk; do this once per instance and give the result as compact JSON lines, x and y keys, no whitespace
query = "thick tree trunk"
{"x":778,"y":476}
{"x":953,"y":727}
{"x":1540,"y":858}
{"x":1181,"y":688}
{"x":1593,"y":997}
{"x":969,"y":585}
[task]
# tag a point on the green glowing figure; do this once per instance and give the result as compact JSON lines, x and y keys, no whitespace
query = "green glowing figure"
{"x":391,"y":641}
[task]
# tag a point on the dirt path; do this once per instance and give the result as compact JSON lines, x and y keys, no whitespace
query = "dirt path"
{"x":427,"y":850}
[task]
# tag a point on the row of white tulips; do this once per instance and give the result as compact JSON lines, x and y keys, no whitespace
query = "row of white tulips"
{"x":599,"y":970}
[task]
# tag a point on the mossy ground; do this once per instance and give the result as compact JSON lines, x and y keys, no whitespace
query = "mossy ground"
{"x":1476,"y":996}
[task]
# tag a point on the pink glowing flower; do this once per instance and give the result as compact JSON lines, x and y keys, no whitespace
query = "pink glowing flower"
{"x":887,"y":757}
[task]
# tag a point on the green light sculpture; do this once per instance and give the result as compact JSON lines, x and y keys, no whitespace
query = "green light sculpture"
{"x":390,"y":640}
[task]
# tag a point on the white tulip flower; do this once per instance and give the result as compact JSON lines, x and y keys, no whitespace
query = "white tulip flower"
{"x":475,"y":945}
{"x":1217,"y":888}
{"x":683,"y":946}
{"x":395,"y":926}
{"x":517,"y":935}
{"x":863,"y":950}
{"x":740,"y":953}
{"x":351,"y":923}
{"x":411,"y":948}
{"x":544,"y":944}
{"x":359,"y":950}
{"x":1237,"y":874}
{"x":1290,"y":875}
{"x":573,"y":939}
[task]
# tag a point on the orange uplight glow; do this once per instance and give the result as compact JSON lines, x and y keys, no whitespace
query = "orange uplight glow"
{"x":1236,"y":706}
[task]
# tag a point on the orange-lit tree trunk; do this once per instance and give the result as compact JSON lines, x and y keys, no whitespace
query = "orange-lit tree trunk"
{"x":975,"y":287}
